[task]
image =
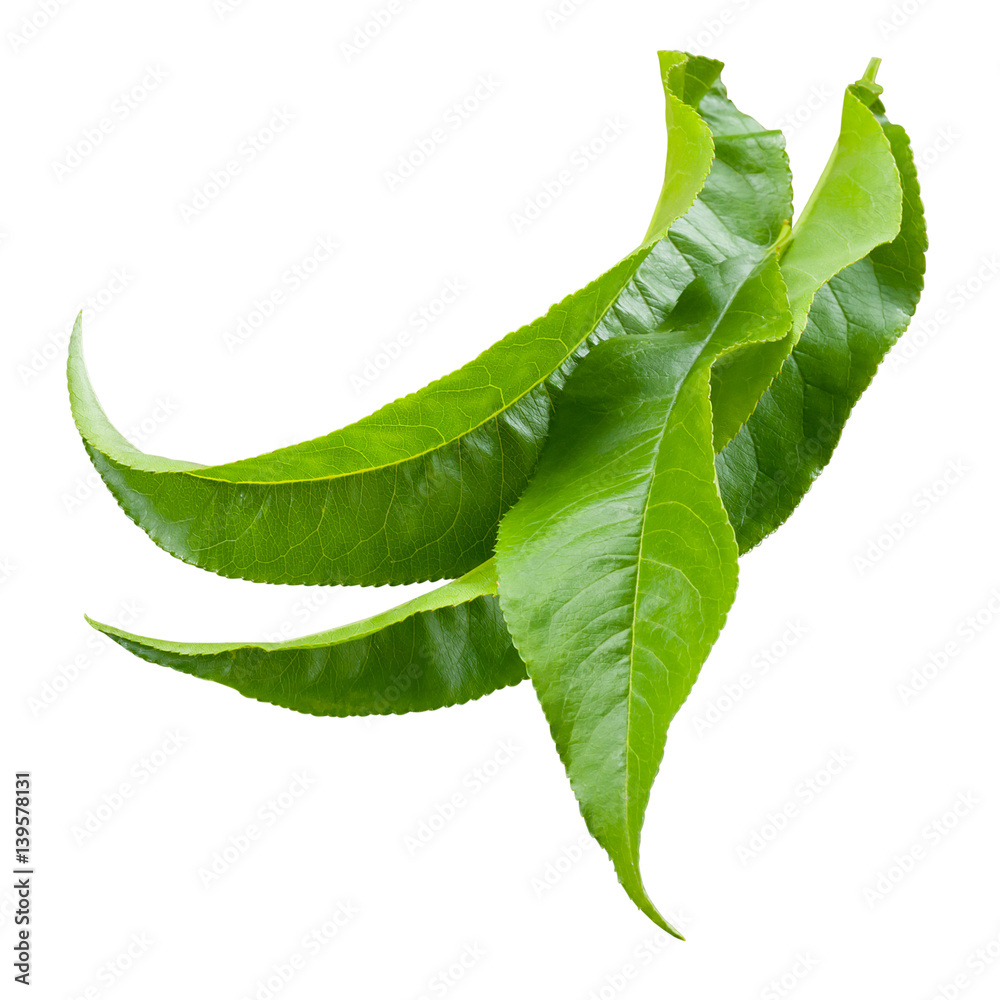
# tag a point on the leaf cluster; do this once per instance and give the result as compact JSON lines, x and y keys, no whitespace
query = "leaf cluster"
{"x":589,"y":482}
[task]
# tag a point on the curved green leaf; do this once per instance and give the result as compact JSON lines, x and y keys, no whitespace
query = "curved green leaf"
{"x":445,"y":648}
{"x":854,"y":321}
{"x":855,"y":207}
{"x":617,"y":567}
{"x":416,"y":490}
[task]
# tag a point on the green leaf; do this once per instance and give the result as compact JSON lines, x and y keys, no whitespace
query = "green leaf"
{"x":415,"y":491}
{"x":854,"y":321}
{"x":618,"y":566}
{"x":855,"y":207}
{"x":444,"y":648}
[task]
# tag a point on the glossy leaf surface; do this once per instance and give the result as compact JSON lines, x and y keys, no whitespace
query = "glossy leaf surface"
{"x":618,"y":565}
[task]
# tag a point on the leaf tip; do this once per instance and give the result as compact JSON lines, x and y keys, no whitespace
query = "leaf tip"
{"x":654,"y":914}
{"x":672,"y":931}
{"x":631,"y":882}
{"x":95,"y":624}
{"x":76,"y":334}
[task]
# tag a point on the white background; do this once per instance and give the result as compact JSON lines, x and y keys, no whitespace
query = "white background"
{"x":161,"y":365}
